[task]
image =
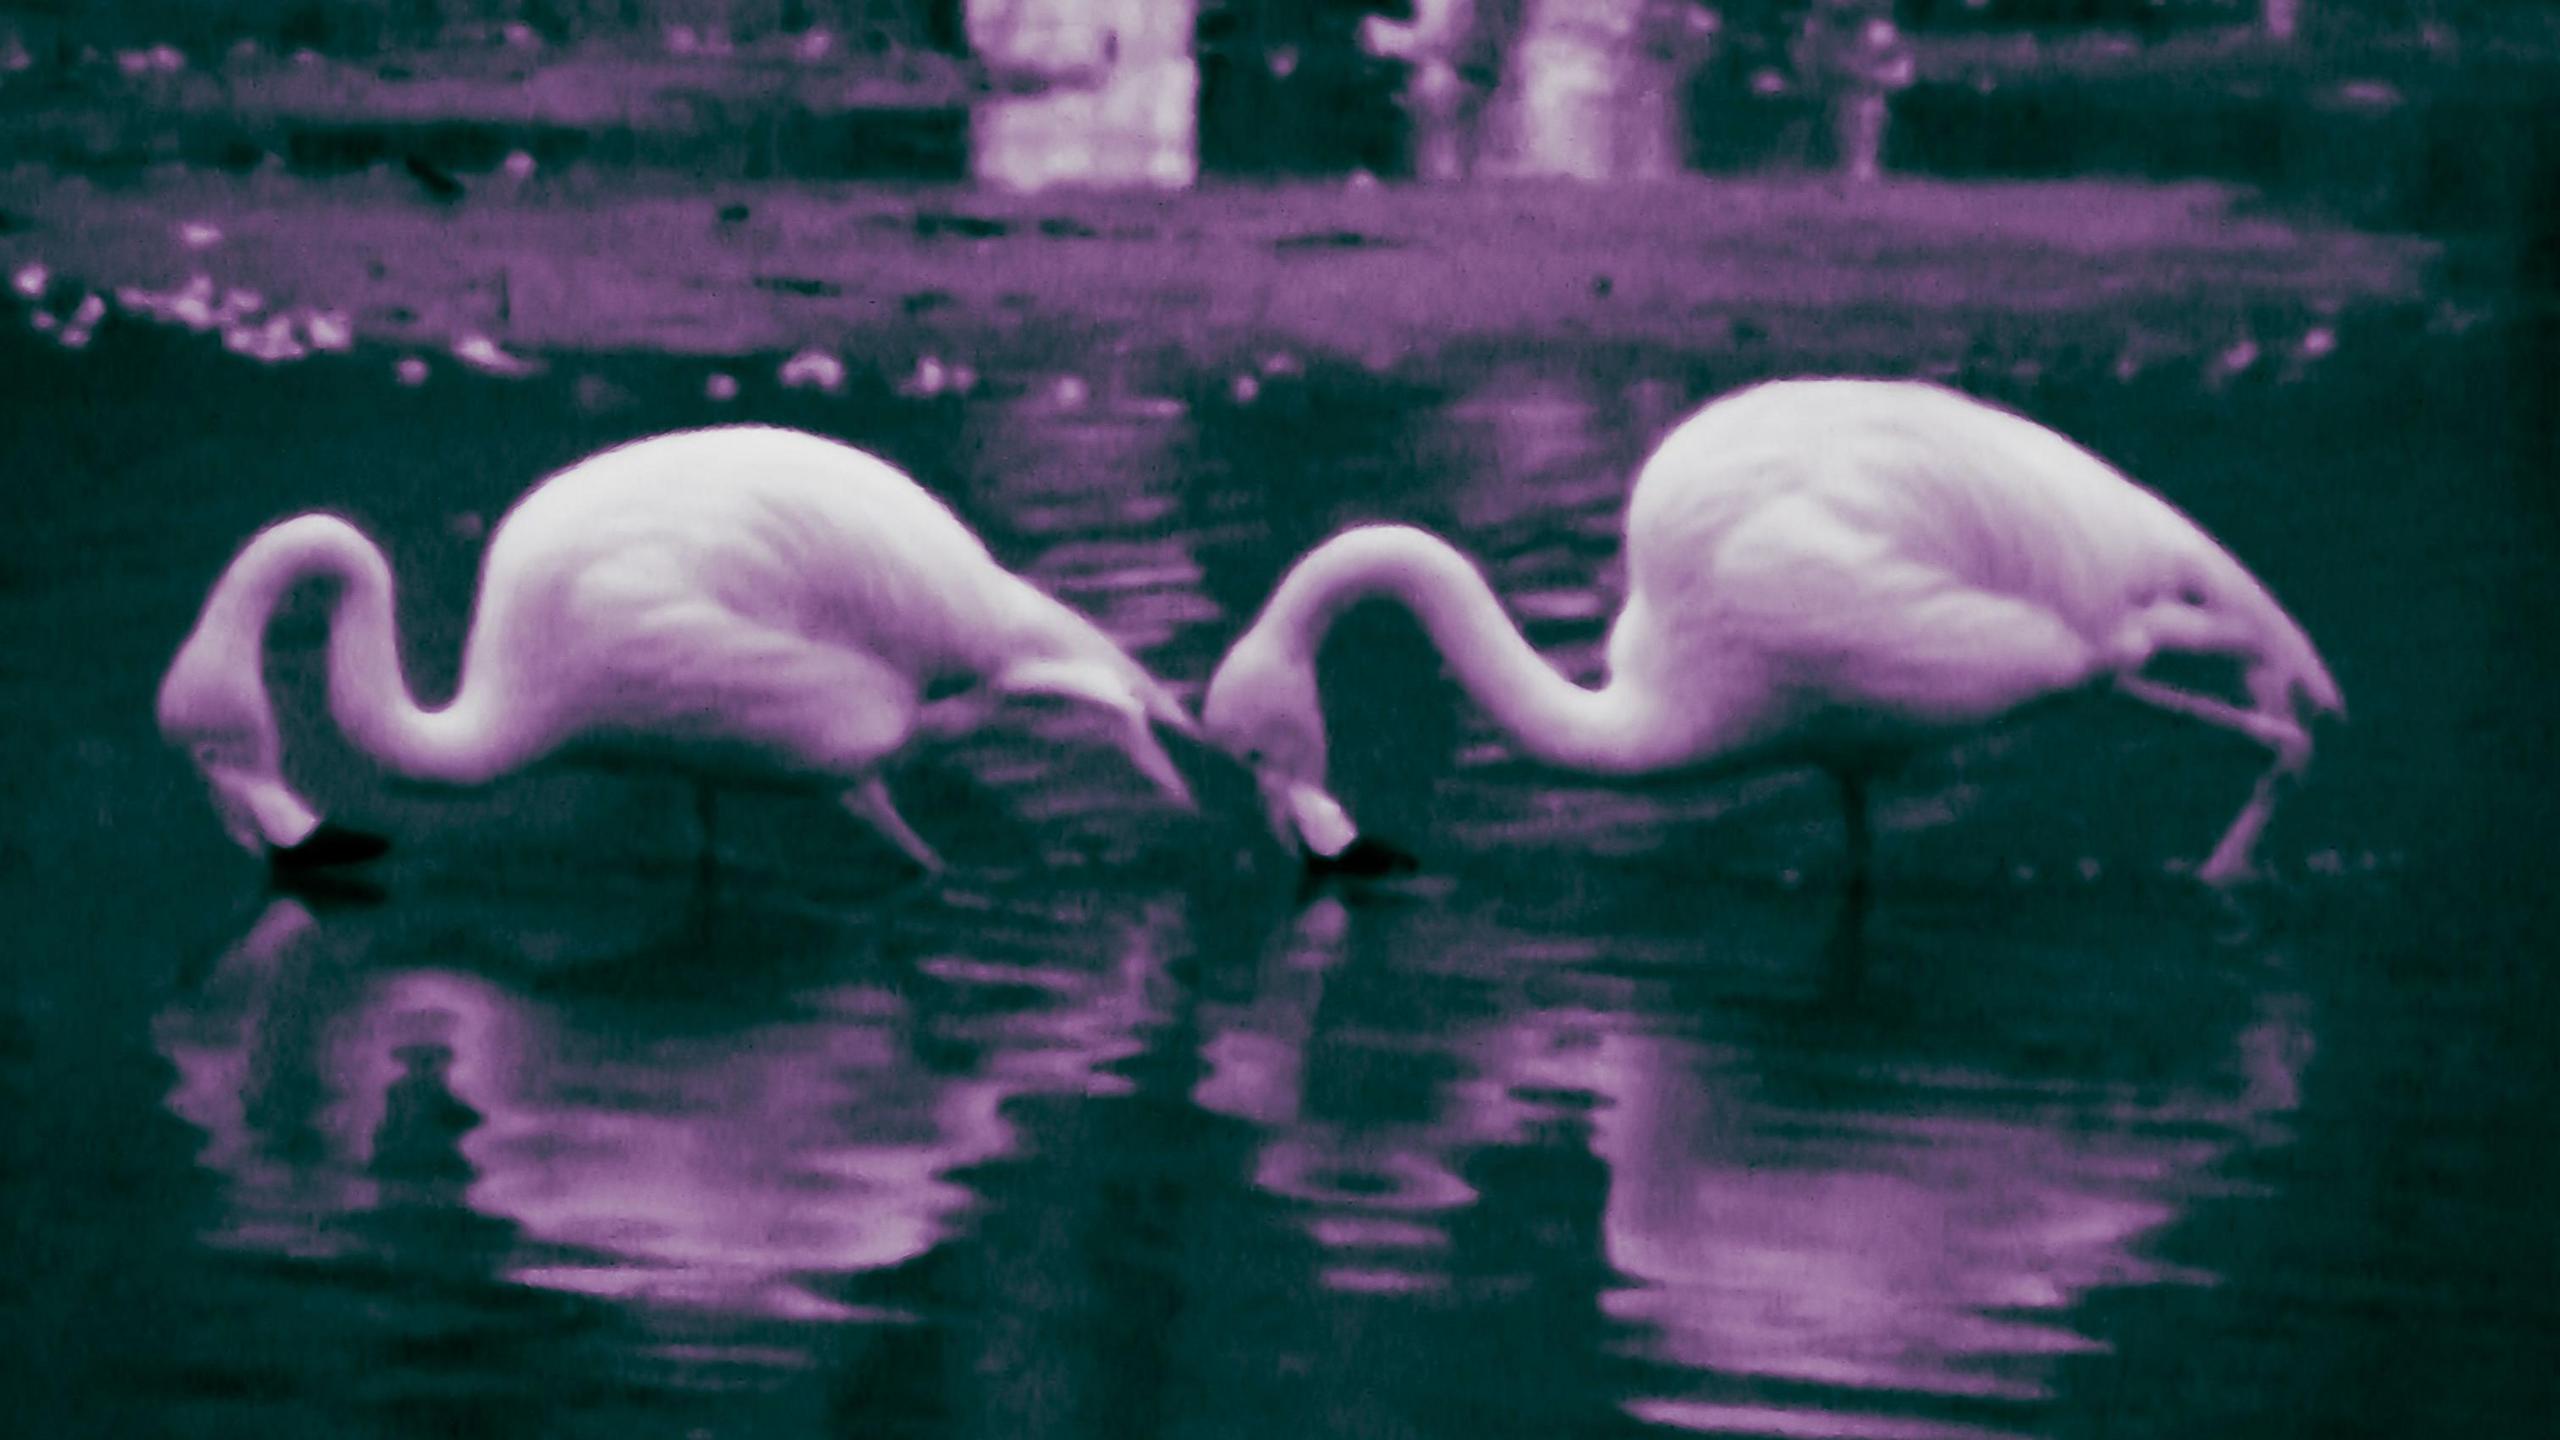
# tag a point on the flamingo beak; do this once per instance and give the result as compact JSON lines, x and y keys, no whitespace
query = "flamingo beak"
{"x":1309,"y":818}
{"x":1327,"y":841}
{"x":260,"y":813}
{"x":264,"y":817}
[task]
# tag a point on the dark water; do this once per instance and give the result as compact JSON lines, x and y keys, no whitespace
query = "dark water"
{"x":1607,"y":1125}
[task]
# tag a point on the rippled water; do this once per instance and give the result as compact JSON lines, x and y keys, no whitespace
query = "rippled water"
{"x":1612,"y":1121}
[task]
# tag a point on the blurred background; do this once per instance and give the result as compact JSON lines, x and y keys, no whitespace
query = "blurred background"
{"x":1614,"y":1122}
{"x":2414,"y":108}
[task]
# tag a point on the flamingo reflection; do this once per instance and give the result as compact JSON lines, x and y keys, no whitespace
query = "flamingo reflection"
{"x":1872,"y":1233}
{"x":746,"y":1169}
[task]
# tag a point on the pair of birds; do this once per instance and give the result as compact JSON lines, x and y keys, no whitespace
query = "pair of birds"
{"x":1824,"y":572}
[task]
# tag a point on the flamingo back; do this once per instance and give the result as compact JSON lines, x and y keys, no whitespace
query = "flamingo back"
{"x":697,"y":569}
{"x":1819,"y":512}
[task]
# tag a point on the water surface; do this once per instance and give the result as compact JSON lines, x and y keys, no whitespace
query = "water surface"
{"x":1613,"y":1122}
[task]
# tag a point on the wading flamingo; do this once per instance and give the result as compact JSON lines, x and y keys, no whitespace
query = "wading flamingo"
{"x":744,"y":604}
{"x":1825,"y":572}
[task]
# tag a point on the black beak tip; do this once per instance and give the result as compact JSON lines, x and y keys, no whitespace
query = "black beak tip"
{"x":1363,"y":859}
{"x":329,"y":846}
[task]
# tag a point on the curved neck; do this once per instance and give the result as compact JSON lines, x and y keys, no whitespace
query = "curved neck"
{"x":368,"y":692}
{"x":1607,"y":731}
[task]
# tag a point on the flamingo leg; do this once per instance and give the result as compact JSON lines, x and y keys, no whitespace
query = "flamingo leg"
{"x":1844,"y":951}
{"x":706,"y":861}
{"x":2292,"y":747}
{"x":706,"y":813}
{"x":870,"y":801}
{"x":954,"y":716}
{"x":1859,"y":830}
{"x":2232,"y":856}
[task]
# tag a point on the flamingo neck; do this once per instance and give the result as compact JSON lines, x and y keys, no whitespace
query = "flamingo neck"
{"x":1605,"y":731}
{"x":369,"y":693}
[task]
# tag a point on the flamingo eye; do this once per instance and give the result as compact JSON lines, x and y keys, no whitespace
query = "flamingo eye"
{"x":218,"y":751}
{"x":2191,"y":595}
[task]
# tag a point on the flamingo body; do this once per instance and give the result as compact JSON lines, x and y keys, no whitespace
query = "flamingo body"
{"x":742,"y":604}
{"x":1828,"y":572}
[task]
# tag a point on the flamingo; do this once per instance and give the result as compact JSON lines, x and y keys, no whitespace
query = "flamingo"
{"x":741,"y":604}
{"x":1822,"y":572}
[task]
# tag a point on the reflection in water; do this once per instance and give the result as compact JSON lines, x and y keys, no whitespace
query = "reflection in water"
{"x":1804,"y":1216}
{"x":1569,"y":1141}
{"x":1078,"y":497}
{"x":1534,"y":462}
{"x":741,"y":1170}
{"x":1577,"y":1145}
{"x":1831,"y":1251}
{"x":1087,"y":498}
{"x":1936,"y":1248}
{"x":1372,"y":1185}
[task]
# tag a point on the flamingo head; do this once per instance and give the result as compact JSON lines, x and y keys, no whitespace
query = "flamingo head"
{"x":1261,"y":708}
{"x":235,"y":751}
{"x":2284,"y":673}
{"x":213,"y":706}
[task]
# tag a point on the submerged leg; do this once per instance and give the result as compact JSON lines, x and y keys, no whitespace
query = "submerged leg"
{"x":706,"y":814}
{"x":706,"y":861}
{"x":1859,"y":828}
{"x":870,"y":800}
{"x":1844,"y":951}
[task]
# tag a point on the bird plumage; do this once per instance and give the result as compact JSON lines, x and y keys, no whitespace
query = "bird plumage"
{"x":1827,"y":572}
{"x":740,"y":603}
{"x":1896,"y":556}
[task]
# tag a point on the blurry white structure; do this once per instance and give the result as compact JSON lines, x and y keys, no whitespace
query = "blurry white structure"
{"x":1554,"y":114}
{"x":1589,"y":89}
{"x":1434,"y":93}
{"x":1088,"y":92}
{"x":1852,"y":55}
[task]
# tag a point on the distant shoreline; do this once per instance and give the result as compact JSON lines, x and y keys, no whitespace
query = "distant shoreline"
{"x":1393,"y":279}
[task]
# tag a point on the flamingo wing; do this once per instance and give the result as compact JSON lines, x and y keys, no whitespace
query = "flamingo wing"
{"x":691,"y":674}
{"x":1841,"y":617}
